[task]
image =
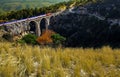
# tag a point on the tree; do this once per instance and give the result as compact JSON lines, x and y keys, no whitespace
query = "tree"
{"x":30,"y":39}
{"x":58,"y":39}
{"x":45,"y":38}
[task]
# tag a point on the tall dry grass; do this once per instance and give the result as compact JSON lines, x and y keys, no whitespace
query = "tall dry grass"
{"x":29,"y":61}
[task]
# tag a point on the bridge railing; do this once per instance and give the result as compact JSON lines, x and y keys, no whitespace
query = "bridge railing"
{"x":16,"y":21}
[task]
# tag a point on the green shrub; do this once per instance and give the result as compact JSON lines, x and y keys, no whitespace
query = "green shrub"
{"x":58,"y":39}
{"x":29,"y":39}
{"x":7,"y":37}
{"x":1,"y":27}
{"x":21,"y":41}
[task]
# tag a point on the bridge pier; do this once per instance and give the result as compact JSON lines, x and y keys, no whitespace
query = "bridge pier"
{"x":48,"y":23}
{"x":38,"y":32}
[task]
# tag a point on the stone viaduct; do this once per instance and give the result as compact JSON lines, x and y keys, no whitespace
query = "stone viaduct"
{"x":33,"y":25}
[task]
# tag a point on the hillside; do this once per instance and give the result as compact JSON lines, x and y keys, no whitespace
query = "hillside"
{"x":108,"y":8}
{"x":92,"y":29}
{"x":8,"y":5}
{"x":91,"y":47}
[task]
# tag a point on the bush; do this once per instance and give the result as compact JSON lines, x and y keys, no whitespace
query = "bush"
{"x":29,"y":39}
{"x":21,"y":41}
{"x":7,"y":37}
{"x":1,"y":27}
{"x":45,"y":38}
{"x":58,"y":39}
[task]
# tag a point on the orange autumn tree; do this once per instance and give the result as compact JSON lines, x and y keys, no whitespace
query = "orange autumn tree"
{"x":45,"y":38}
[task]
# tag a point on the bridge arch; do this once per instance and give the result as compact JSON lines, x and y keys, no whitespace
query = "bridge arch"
{"x":52,"y":21}
{"x":33,"y":27}
{"x":43,"y":24}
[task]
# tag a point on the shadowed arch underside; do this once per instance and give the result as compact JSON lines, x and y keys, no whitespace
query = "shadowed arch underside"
{"x":52,"y":22}
{"x":32,"y":26}
{"x":43,"y":25}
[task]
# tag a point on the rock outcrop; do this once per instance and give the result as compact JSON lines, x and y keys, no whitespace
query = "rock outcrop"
{"x":86,"y":31}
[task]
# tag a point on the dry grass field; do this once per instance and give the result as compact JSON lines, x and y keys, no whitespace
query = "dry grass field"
{"x":29,"y":61}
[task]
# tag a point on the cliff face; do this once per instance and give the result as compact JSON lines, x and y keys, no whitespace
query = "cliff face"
{"x":108,"y":8}
{"x":99,"y":27}
{"x":111,"y":1}
{"x":86,"y":31}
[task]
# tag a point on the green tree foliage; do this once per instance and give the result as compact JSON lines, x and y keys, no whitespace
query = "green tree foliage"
{"x":7,"y":37}
{"x":29,"y":39}
{"x":13,"y":5}
{"x":26,"y":13}
{"x":58,"y":39}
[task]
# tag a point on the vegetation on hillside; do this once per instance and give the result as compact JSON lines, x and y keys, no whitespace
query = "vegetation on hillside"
{"x":28,"y":61}
{"x":25,"y":13}
{"x":28,"y":39}
{"x":48,"y":37}
{"x":29,"y":12}
{"x":13,"y":5}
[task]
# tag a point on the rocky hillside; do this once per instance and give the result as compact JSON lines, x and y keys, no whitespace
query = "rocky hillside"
{"x":86,"y":31}
{"x":108,"y":8}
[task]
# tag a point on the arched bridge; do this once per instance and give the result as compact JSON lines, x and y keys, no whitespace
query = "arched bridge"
{"x":34,"y":25}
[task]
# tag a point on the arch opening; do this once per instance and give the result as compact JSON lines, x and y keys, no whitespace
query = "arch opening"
{"x":43,"y":25}
{"x":52,"y":22}
{"x":32,"y":26}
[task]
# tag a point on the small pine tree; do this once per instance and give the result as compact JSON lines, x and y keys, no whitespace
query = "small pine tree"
{"x":58,"y":39}
{"x":30,"y":39}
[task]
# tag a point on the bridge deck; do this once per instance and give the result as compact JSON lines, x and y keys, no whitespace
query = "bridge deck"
{"x":16,"y":21}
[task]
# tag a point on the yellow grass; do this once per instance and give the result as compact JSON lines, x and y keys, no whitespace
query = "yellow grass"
{"x":29,"y":61}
